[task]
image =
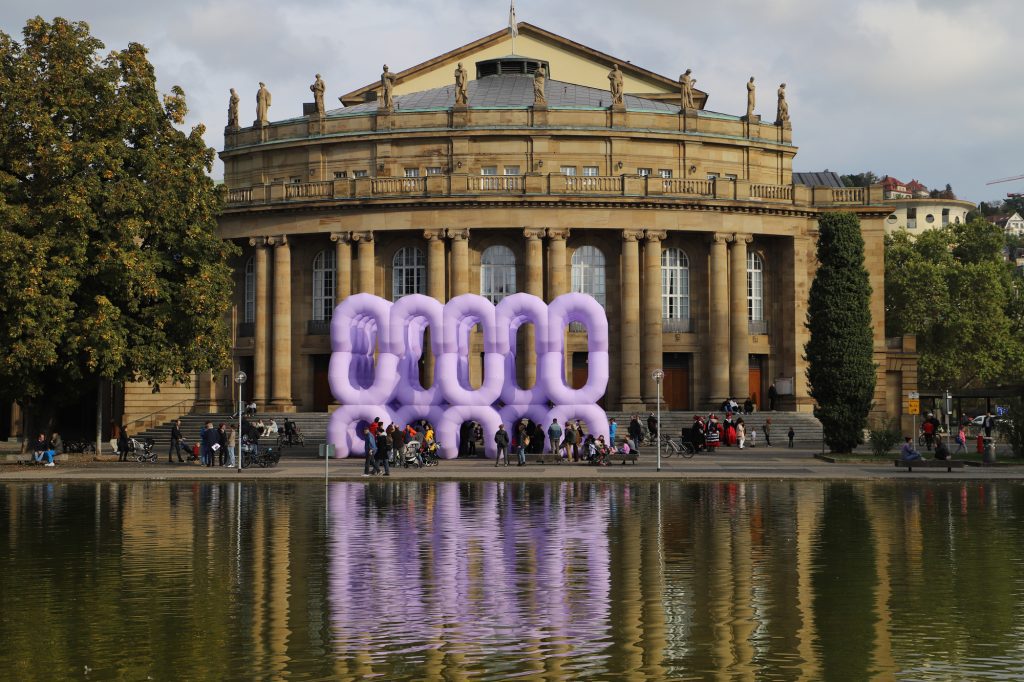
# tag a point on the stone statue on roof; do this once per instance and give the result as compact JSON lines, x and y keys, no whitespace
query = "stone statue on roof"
{"x":317,"y":88}
{"x":686,"y":83}
{"x":233,"y":110}
{"x":461,"y":95}
{"x":262,"y":105}
{"x":387,"y":86}
{"x":751,"y":97}
{"x":615,"y":79}
{"x":782,"y":117}
{"x":540,"y":97}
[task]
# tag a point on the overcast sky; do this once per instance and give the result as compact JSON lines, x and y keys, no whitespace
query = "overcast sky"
{"x":925,"y":89}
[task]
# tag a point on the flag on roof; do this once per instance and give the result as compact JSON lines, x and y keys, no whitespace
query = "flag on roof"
{"x":513,"y":25}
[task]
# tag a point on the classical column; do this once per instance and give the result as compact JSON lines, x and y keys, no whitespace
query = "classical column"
{"x":435,"y":289}
{"x":652,"y":355}
{"x":717,"y":355}
{"x":630,"y":358}
{"x":435,"y":264}
{"x":343,"y":266}
{"x":367,"y":262}
{"x":739,"y":355}
{"x":557,"y":265}
{"x":534,"y":287}
{"x":460,"y":261}
{"x":260,"y":362}
{"x":281,"y":367}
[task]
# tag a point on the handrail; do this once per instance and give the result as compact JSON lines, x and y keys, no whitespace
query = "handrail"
{"x":164,"y":409}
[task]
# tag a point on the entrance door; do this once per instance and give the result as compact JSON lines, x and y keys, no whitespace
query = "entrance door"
{"x":321,"y":384}
{"x":581,"y":372}
{"x":755,"y":382}
{"x":676,"y":384}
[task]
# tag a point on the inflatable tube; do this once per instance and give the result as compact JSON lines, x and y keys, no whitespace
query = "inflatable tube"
{"x":411,"y":413}
{"x":410,"y":317}
{"x":356,"y":312}
{"x":346,"y":368}
{"x":593,"y":417}
{"x":586,"y":310}
{"x":510,"y":314}
{"x":453,"y":418}
{"x":341,"y":429}
{"x":511,"y":414}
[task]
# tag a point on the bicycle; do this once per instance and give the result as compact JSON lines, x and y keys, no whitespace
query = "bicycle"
{"x":680,"y":447}
{"x":295,"y":439}
{"x":83,"y":446}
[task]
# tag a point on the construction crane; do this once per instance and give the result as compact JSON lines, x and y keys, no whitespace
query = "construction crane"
{"x":1009,"y":195}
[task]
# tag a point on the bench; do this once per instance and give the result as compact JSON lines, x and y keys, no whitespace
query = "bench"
{"x":631,"y":457}
{"x":948,"y":464}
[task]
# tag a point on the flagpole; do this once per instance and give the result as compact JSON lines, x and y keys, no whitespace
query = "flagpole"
{"x":512,"y":27}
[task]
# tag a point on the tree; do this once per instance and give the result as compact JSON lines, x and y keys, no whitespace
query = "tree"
{"x":110,"y":267}
{"x":952,"y":289}
{"x":840,"y":362}
{"x":865,"y":179}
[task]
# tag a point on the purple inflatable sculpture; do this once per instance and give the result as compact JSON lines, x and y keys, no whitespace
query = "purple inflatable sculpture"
{"x":366,"y":327}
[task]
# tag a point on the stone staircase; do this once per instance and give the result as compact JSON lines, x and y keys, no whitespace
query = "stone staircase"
{"x":314,"y":427}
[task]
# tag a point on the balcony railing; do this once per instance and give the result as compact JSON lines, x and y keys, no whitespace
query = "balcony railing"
{"x":777,"y":192}
{"x":318,"y":327}
{"x":849,"y":195}
{"x":757,"y":326}
{"x":678,"y":325}
{"x":598,"y":184}
{"x":398,"y":185}
{"x":699,"y":188}
{"x":496,"y":183}
{"x":309,"y":190}
{"x":246,"y":329}
{"x":240,"y":196}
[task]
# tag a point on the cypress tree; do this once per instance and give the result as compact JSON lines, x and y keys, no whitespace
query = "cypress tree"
{"x":840,"y":363}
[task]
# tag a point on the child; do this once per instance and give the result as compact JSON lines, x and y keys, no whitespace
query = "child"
{"x":961,"y":440}
{"x":791,"y":434}
{"x":753,"y":437}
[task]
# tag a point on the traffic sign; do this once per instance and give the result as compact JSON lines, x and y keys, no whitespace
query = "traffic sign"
{"x":914,"y":406}
{"x":914,"y":395}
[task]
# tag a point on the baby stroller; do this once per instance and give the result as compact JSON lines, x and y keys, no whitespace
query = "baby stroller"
{"x":143,"y":450}
{"x":429,"y":453}
{"x":192,"y":449}
{"x":410,"y":455}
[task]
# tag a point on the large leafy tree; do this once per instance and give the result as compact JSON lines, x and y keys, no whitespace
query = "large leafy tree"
{"x":952,"y":288}
{"x":110,"y":267}
{"x":840,"y":361}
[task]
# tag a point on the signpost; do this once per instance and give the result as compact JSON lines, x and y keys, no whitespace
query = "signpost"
{"x":914,"y":408}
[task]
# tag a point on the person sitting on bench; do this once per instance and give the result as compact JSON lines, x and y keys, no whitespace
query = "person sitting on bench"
{"x":941,"y":451}
{"x":907,"y":452}
{"x":41,"y":448}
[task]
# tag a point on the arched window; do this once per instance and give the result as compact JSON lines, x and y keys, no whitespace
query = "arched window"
{"x":675,"y":286}
{"x":408,"y":273}
{"x":588,"y":272}
{"x":497,"y":273}
{"x":755,"y":287}
{"x":323,"y":285}
{"x":249,"y":309}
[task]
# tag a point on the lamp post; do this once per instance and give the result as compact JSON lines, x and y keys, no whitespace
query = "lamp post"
{"x":240,"y":380}
{"x":658,"y":375}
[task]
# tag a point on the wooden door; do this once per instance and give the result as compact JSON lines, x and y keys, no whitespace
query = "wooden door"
{"x":676,"y":388}
{"x":580,"y":370}
{"x":755,"y":383}
{"x":321,"y":384}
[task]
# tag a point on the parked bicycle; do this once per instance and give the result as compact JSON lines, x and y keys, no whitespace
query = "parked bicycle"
{"x":84,"y":446}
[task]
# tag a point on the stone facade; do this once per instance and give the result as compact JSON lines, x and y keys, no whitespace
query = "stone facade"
{"x":684,"y":222}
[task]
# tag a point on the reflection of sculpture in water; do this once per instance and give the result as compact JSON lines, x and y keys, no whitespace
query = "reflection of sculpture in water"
{"x":262,"y":105}
{"x":233,"y":110}
{"x":615,"y":80}
{"x":317,"y":88}
{"x":461,"y":96}
{"x":782,"y":116}
{"x":387,"y":86}
{"x":540,"y":97}
{"x":686,"y":83}
{"x":751,"y":95}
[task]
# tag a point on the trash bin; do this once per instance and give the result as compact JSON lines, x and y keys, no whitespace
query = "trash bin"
{"x":989,"y":456}
{"x":981,"y":444}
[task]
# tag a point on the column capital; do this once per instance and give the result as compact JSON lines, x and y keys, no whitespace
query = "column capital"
{"x":457,"y":235}
{"x":342,"y":237}
{"x":744,"y":238}
{"x":632,"y":235}
{"x":558,"y":233}
{"x":279,"y":240}
{"x":656,"y":235}
{"x":721,"y":237}
{"x":257,"y":241}
{"x":362,"y":237}
{"x":532,"y":233}
{"x":433,"y":235}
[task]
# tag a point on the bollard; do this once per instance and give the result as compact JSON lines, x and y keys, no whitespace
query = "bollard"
{"x":989,"y":456}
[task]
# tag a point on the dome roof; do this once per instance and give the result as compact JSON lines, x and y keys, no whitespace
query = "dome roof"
{"x":511,"y":91}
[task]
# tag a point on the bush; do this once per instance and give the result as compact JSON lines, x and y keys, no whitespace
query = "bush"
{"x":1012,"y":429}
{"x":884,"y":438}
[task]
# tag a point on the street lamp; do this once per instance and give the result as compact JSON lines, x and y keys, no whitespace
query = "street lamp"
{"x":239,"y":379}
{"x":658,"y":375}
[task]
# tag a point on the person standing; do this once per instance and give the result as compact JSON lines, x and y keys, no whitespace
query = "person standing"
{"x":211,"y":438}
{"x":571,"y":449}
{"x":554,"y":435}
{"x":741,"y":433}
{"x":767,"y":431}
{"x":231,"y":436}
{"x":961,"y":440}
{"x":652,"y":426}
{"x":791,"y":434}
{"x":123,"y":444}
{"x":501,"y":440}
{"x":398,"y":445}
{"x":222,"y":441}
{"x":773,"y":394}
{"x":636,"y":431}
{"x":175,"y":441}
{"x":612,"y":428}
{"x":987,"y":423}
{"x":383,"y":447}
{"x":521,"y":443}
{"x":370,"y":450}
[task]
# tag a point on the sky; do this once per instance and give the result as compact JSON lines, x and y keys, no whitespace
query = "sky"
{"x":922,"y":89}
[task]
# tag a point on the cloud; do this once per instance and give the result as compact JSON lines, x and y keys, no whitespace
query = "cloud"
{"x":922,"y":88}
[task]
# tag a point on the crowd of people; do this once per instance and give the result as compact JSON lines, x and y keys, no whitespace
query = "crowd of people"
{"x":709,"y":433}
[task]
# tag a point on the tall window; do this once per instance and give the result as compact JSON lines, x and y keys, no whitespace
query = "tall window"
{"x":675,"y":285}
{"x":323,"y":285}
{"x":755,"y":286}
{"x":497,"y":273}
{"x":249,"y":311}
{"x":409,"y":272}
{"x":588,"y":272}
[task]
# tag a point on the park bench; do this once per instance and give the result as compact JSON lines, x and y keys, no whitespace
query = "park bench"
{"x":948,"y":464}
{"x":631,"y":457}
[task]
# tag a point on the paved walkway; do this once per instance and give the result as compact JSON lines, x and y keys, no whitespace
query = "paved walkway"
{"x":730,"y":464}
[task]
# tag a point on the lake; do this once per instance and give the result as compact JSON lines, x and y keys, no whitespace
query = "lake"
{"x":496,"y":580}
